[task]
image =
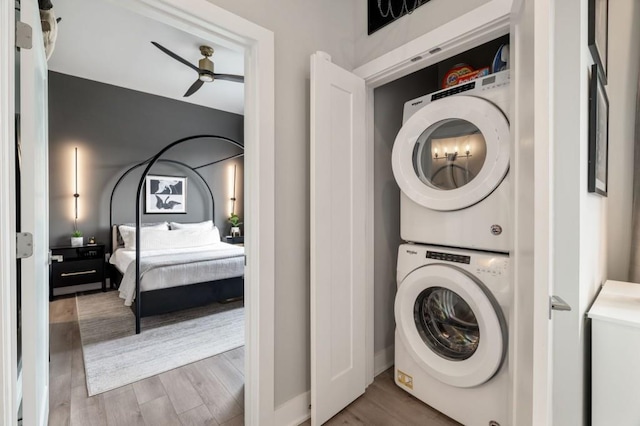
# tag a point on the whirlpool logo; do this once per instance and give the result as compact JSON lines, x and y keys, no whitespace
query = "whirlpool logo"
{"x":412,"y":252}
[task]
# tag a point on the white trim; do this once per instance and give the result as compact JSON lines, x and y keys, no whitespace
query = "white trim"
{"x":369,"y":255}
{"x":295,"y":411}
{"x":384,"y":359}
{"x":8,"y":326}
{"x":200,"y":17}
{"x":478,"y":26}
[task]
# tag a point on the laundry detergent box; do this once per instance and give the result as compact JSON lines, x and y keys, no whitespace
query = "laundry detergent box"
{"x":473,"y":75}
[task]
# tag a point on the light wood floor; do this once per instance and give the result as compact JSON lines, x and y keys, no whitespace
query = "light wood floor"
{"x":385,"y":404}
{"x":209,"y":392}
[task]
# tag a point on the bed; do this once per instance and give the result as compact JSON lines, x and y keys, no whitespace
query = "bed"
{"x":180,"y":268}
{"x":178,"y":265}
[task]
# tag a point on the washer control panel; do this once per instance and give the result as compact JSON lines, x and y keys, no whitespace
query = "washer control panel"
{"x":491,"y":266}
{"x":458,"y":258}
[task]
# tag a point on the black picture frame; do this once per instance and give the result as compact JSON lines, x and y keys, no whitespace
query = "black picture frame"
{"x":598,"y":173}
{"x":165,"y":194}
{"x":598,"y":34}
{"x":388,"y":11}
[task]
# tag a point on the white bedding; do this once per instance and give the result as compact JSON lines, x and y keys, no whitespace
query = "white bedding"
{"x":222,"y":261}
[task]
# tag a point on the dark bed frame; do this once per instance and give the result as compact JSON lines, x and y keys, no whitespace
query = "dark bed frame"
{"x":171,"y":299}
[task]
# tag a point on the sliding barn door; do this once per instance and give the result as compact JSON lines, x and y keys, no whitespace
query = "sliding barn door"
{"x":337,"y":238}
{"x":34,"y":218}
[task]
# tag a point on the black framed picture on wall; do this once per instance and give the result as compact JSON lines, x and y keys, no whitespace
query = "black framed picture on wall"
{"x":383,"y":12}
{"x":598,"y":173}
{"x":599,"y":34}
{"x":165,"y":194}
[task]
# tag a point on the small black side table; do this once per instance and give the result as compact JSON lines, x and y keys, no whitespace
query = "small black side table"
{"x":77,"y":265}
{"x":234,"y":240}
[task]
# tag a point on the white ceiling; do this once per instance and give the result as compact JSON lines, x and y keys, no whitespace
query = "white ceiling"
{"x":101,"y":41}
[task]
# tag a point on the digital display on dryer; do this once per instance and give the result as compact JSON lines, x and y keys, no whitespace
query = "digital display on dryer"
{"x":458,"y":258}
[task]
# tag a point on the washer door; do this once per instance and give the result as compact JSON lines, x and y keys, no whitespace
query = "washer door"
{"x":452,"y":153}
{"x":451,"y":325}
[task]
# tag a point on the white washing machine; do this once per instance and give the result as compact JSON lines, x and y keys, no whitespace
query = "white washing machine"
{"x":451,"y":162}
{"x":451,"y":313}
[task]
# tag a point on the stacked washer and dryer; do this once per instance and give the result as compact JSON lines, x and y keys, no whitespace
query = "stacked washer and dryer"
{"x":451,"y":162}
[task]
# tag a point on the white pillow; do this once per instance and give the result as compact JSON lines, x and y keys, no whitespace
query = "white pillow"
{"x":206,"y":225}
{"x":178,"y":239}
{"x":128,"y":233}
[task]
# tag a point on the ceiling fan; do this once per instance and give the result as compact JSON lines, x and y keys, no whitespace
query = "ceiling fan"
{"x":204,"y":68}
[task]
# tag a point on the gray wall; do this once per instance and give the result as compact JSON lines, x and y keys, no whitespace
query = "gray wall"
{"x":115,"y":128}
{"x":300,"y":28}
{"x":388,"y":104}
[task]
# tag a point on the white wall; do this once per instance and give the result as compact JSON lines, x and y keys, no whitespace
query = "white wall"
{"x":624,"y":63}
{"x":580,"y":225}
{"x":301,"y":27}
{"x":421,"y":21}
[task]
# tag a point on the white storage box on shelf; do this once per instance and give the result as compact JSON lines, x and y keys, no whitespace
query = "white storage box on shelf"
{"x":615,"y":349}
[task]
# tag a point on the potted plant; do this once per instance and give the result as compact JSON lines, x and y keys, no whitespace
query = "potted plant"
{"x":234,"y":220}
{"x":77,"y":239}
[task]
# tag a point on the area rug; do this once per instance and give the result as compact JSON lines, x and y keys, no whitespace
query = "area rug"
{"x":115,"y":356}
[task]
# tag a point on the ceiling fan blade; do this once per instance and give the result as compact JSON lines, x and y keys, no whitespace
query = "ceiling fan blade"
{"x":230,"y":77}
{"x":194,"y":87}
{"x":176,"y":57}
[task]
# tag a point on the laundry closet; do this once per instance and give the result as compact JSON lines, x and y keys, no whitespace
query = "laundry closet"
{"x":445,"y":168}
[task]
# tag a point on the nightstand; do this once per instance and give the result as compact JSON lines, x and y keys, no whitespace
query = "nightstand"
{"x":76,"y":265}
{"x":239,"y":241}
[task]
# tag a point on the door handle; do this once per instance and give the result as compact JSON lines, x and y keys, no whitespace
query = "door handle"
{"x":556,"y":303}
{"x":71,"y":274}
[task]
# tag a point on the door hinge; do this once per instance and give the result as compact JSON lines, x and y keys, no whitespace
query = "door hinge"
{"x":24,"y":35}
{"x":556,"y":303}
{"x":24,"y":245}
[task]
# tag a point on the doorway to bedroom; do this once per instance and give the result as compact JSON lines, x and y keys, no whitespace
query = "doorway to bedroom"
{"x":114,"y":103}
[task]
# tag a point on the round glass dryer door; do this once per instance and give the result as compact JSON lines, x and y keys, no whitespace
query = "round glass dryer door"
{"x":452,"y":153}
{"x":451,"y":325}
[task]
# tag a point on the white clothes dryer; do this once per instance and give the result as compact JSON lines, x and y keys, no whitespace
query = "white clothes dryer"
{"x":451,"y":162}
{"x":451,"y":339}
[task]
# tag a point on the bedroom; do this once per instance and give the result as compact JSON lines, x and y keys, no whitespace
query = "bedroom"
{"x":118,"y":116}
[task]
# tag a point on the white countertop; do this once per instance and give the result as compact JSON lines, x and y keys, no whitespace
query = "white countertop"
{"x":618,"y":302}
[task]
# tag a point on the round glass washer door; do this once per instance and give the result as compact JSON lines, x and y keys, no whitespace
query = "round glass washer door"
{"x":452,"y":153}
{"x":451,"y":325}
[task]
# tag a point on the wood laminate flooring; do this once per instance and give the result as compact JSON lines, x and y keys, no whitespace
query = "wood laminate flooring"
{"x":208,"y":392}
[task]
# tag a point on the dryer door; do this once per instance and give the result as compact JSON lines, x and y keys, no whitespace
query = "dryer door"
{"x":452,"y":153}
{"x":451,"y":325}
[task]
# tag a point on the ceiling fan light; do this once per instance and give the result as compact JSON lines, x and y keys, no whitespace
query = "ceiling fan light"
{"x":206,"y":77}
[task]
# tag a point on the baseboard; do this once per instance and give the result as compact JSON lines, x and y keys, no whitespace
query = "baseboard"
{"x":295,"y":411}
{"x":383,"y":360}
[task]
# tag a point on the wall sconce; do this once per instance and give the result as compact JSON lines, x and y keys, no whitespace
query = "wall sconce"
{"x":233,"y":194}
{"x":451,"y":156}
{"x":76,"y":195}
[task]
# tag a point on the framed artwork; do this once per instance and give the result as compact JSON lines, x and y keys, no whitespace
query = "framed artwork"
{"x":599,"y":34}
{"x":383,"y":12}
{"x":598,"y":134}
{"x":165,"y":194}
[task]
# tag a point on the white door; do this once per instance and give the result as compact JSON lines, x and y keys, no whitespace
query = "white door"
{"x":337,"y":238}
{"x":34,"y":199}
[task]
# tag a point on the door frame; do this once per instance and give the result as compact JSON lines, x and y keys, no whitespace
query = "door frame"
{"x":480,"y":25}
{"x":198,"y":17}
{"x":8,"y":325}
